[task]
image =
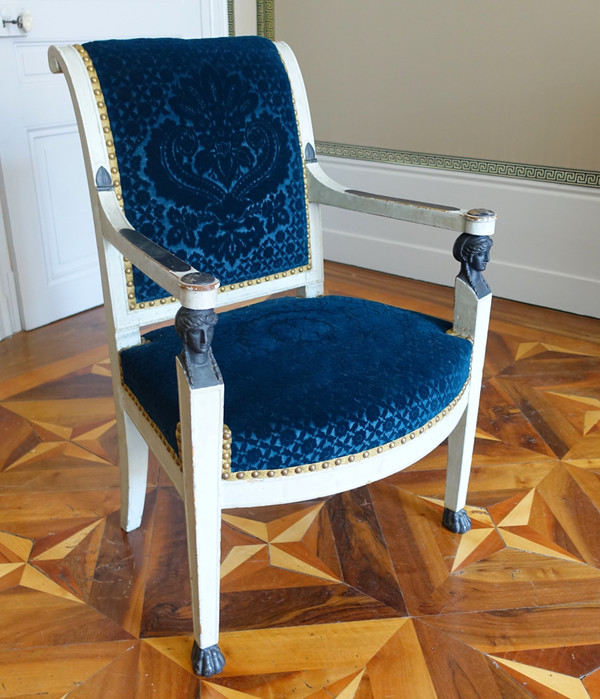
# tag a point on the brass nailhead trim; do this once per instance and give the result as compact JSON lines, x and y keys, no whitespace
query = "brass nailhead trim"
{"x":114,"y":169}
{"x":295,"y":270}
{"x":351,"y":458}
{"x":152,"y":424}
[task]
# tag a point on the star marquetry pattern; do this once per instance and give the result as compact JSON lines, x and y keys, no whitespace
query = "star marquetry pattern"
{"x":289,"y":543}
{"x":17,"y":571}
{"x":362,"y":595}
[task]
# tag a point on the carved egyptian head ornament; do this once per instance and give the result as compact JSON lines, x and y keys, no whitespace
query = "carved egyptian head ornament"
{"x":473,"y":253}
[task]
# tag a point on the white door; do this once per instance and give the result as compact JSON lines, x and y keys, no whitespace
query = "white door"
{"x":44,"y":194}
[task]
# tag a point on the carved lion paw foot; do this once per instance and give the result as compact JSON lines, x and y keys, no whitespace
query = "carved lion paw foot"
{"x":207,"y":661}
{"x":457,"y":522}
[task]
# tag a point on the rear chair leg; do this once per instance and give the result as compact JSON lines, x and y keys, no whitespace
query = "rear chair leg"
{"x":133,"y":454}
{"x":460,"y":454}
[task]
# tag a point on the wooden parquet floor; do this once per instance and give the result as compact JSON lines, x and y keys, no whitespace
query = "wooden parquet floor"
{"x":359,"y":596}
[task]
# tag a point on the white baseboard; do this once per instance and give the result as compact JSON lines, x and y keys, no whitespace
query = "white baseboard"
{"x":546,"y":248}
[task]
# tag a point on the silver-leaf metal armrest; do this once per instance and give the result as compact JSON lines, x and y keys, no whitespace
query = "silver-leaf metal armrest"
{"x":195,"y":290}
{"x":324,"y":190}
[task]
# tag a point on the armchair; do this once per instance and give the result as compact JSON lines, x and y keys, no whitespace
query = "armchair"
{"x":206,"y":194}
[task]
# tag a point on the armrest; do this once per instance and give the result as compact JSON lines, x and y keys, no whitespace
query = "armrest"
{"x":324,"y":190}
{"x":195,"y":290}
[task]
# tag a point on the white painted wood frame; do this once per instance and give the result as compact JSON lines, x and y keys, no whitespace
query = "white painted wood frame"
{"x":199,"y":477}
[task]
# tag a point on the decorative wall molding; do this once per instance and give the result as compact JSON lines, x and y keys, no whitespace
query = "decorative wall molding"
{"x":522,"y":171}
{"x":455,"y":163}
{"x":265,"y":16}
{"x":230,"y":18}
{"x":546,"y":245}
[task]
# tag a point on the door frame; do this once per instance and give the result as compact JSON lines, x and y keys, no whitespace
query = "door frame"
{"x":10,"y":317}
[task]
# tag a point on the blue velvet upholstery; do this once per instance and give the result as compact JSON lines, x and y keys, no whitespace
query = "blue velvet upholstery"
{"x":208,"y":152}
{"x":308,"y":380}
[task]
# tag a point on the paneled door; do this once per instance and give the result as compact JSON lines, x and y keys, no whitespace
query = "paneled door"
{"x":44,"y":192}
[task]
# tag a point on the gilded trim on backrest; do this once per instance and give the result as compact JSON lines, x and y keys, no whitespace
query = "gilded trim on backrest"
{"x":303,"y":268}
{"x":105,"y":121}
{"x":114,"y":171}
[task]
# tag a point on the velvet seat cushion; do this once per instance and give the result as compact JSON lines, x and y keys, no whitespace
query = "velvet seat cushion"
{"x":309,"y":380}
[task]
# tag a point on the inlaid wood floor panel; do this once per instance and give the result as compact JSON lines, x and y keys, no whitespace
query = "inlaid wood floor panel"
{"x":363,"y":595}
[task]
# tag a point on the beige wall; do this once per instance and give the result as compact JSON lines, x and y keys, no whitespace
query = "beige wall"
{"x":517,"y":80}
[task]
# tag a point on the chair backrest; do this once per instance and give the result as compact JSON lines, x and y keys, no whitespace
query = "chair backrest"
{"x":206,"y":157}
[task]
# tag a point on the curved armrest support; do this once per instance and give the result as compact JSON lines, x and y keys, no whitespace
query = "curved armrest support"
{"x":324,"y":190}
{"x":195,"y":290}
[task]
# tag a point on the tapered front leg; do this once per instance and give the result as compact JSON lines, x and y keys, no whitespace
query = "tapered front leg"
{"x":472,"y":305}
{"x":460,"y":454}
{"x":201,"y":413}
{"x":201,"y":398}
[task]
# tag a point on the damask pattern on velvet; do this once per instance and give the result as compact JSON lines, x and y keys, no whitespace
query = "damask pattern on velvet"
{"x":208,"y":151}
{"x":308,"y":380}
